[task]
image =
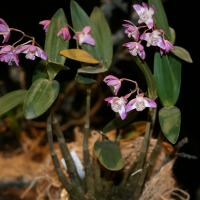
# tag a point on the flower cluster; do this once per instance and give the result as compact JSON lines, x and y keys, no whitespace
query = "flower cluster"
{"x":83,"y":36}
{"x":121,"y":105}
{"x":10,"y":53}
{"x":153,"y":38}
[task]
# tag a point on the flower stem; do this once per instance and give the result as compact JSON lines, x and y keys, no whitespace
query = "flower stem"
{"x":72,"y":190}
{"x":88,"y":169}
{"x":77,"y":46}
{"x":71,"y":168}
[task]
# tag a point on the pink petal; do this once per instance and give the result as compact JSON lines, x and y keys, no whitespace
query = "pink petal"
{"x":122,"y":112}
{"x":157,"y":32}
{"x":161,"y":44}
{"x":170,"y":45}
{"x":3,"y":22}
{"x":5,"y":29}
{"x":145,"y":36}
{"x":22,"y":49}
{"x":161,"y":51}
{"x":86,"y":29}
{"x":141,"y":48}
{"x":131,"y":105}
{"x":139,"y":9}
{"x":109,"y":77}
{"x":32,"y":48}
{"x":144,"y":5}
{"x":142,"y":54}
{"x":6,"y":38}
{"x":88,"y":39}
{"x":137,"y":34}
{"x":149,"y":103}
{"x":110,"y":99}
{"x":113,"y":82}
{"x":140,"y":21}
{"x":151,"y":10}
{"x":16,"y":59}
{"x":149,"y":23}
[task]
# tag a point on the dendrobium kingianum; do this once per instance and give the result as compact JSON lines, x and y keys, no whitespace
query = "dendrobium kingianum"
{"x":4,"y":30}
{"x":65,"y":32}
{"x":168,"y":45}
{"x":113,"y":81}
{"x":85,"y":37}
{"x":140,"y":103}
{"x":135,"y":48}
{"x":154,"y":39}
{"x":131,"y":30}
{"x":8,"y":54}
{"x":31,"y":51}
{"x":146,"y":16}
{"x":46,"y":24}
{"x":118,"y":105}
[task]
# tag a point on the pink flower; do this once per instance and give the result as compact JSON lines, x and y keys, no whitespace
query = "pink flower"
{"x":118,"y":105}
{"x":85,"y":37}
{"x":31,"y":51}
{"x":140,"y":103}
{"x":46,"y":25}
{"x":65,"y":33}
{"x":8,"y":54}
{"x":168,"y":45}
{"x":153,"y":39}
{"x":135,"y":48}
{"x":4,"y":30}
{"x":113,"y":81}
{"x":131,"y":31}
{"x":145,"y":14}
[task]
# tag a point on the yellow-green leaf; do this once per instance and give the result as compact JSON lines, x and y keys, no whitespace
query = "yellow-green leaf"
{"x":79,"y":55}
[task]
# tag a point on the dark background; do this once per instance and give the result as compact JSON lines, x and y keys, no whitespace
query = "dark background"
{"x":182,"y":16}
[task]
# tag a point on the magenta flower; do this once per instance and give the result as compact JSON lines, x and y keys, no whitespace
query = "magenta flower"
{"x":65,"y":33}
{"x":145,"y":14}
{"x":4,"y":30}
{"x":8,"y":54}
{"x":131,"y":31}
{"x":118,"y":105}
{"x":113,"y":81}
{"x":135,"y":48}
{"x":140,"y":103}
{"x":168,"y":45}
{"x":46,"y":25}
{"x":31,"y":51}
{"x":85,"y":37}
{"x":153,"y":39}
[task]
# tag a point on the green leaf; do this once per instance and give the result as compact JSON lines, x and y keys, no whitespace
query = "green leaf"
{"x":170,"y":120}
{"x":54,"y":68}
{"x":109,"y":154}
{"x":104,"y":32}
{"x":80,"y":19}
{"x":118,"y":122}
{"x":92,"y":70}
{"x":79,"y":55}
{"x":84,"y":79}
{"x":53,"y":43}
{"x":163,"y":79}
{"x":12,"y":99}
{"x":182,"y":53}
{"x":173,"y":35}
{"x":40,"y":71}
{"x":175,"y":65}
{"x":160,"y":16}
{"x":40,"y":97}
{"x":148,"y":76}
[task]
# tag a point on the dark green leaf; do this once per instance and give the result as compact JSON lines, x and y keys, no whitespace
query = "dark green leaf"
{"x":40,"y":71}
{"x":84,"y":79}
{"x":170,"y":120}
{"x":160,"y":16}
{"x":163,"y":79}
{"x":53,"y":43}
{"x":175,"y":65}
{"x":11,"y":100}
{"x":109,"y":154}
{"x":118,"y":122}
{"x":182,"y":53}
{"x":40,"y":97}
{"x":173,"y":35}
{"x":54,"y":68}
{"x":148,"y":76}
{"x":92,"y":70}
{"x":80,"y":19}
{"x":104,"y":32}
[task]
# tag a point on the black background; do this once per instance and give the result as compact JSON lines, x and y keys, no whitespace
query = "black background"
{"x":182,"y":16}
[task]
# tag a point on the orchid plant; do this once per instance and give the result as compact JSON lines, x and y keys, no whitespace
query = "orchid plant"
{"x":94,"y":51}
